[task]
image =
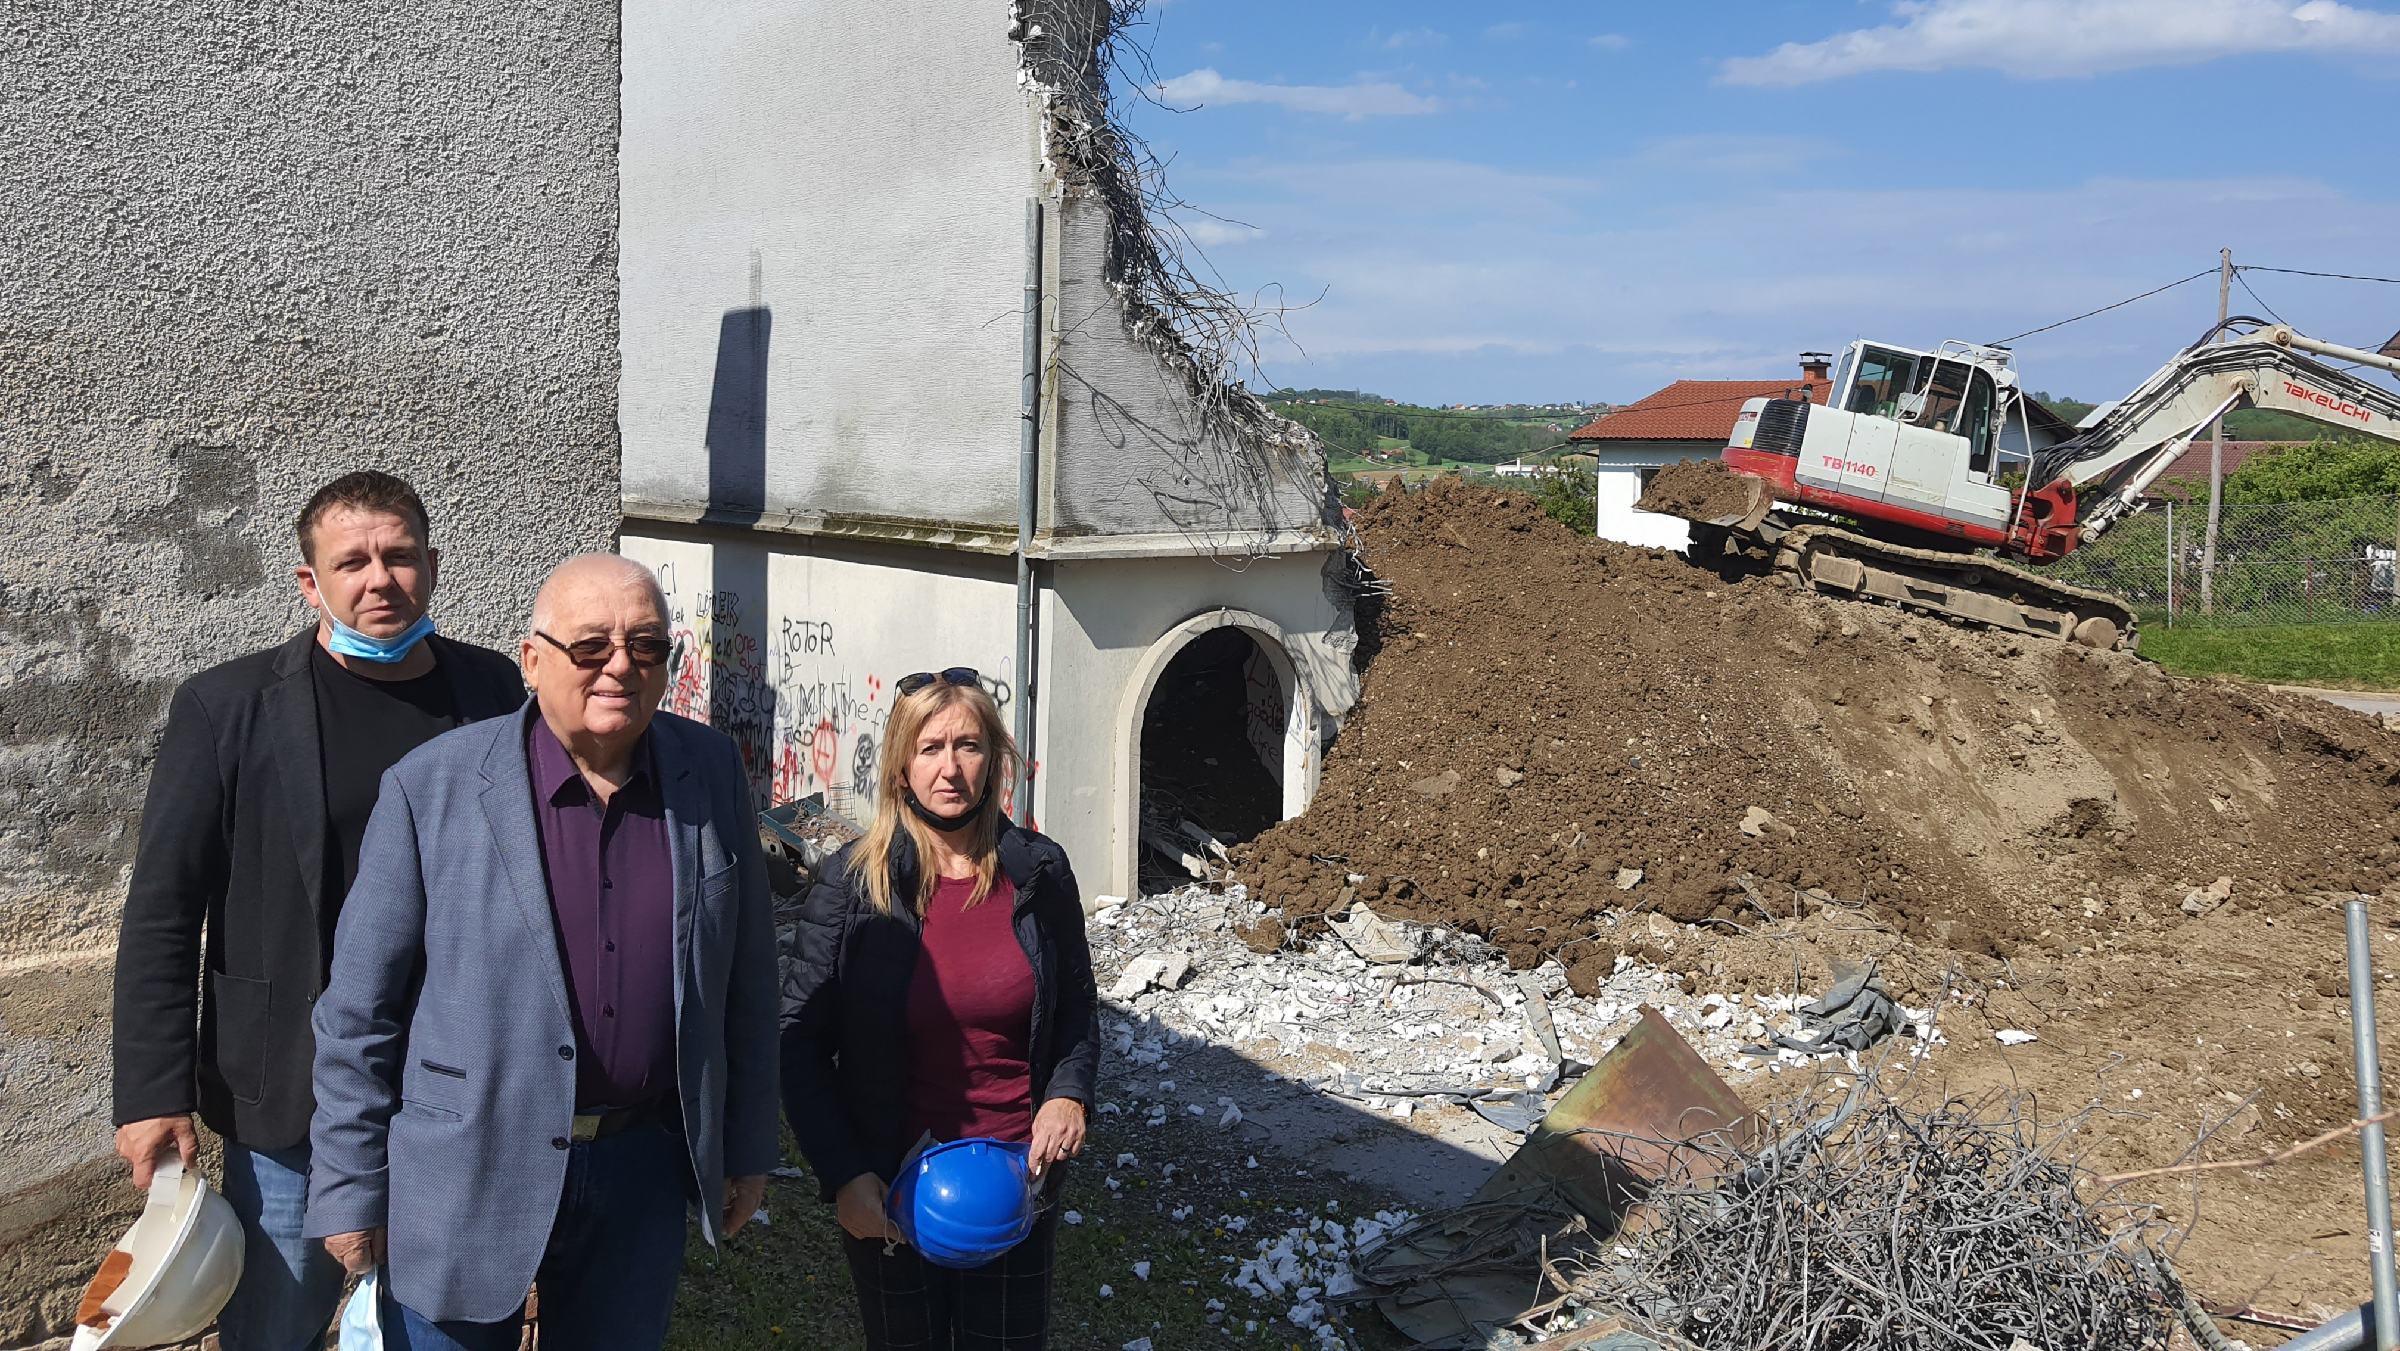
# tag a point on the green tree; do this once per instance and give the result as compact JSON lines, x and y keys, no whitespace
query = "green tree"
{"x":2319,"y":471}
{"x":2266,"y":424}
{"x":2072,"y":410}
{"x":1571,"y":497}
{"x":1338,"y":428}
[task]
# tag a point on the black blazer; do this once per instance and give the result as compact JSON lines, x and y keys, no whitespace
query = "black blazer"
{"x":846,"y":969}
{"x":232,"y":857}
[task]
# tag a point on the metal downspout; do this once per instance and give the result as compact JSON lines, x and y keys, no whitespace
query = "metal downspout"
{"x":1028,"y":504}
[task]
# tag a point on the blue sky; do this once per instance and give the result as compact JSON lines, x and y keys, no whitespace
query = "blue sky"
{"x":1587,"y":200}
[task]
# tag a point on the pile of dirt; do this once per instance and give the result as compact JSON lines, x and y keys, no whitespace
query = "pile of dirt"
{"x":1698,"y":490}
{"x":1578,"y":749}
{"x":1558,"y":727}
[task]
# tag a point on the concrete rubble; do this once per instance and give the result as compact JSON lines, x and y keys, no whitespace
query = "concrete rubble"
{"x":1423,"y":1029}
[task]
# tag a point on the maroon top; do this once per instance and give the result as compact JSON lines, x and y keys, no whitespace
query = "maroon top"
{"x":612,"y":892}
{"x":970,"y":1019}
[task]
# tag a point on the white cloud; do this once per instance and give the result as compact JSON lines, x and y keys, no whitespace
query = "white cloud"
{"x":1507,"y":32}
{"x":1414,"y":37}
{"x":1611,"y":42}
{"x":1613,"y":291}
{"x":2048,"y":39}
{"x":1210,"y":234}
{"x":1369,"y":98}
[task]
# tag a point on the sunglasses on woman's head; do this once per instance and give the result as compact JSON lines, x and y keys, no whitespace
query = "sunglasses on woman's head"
{"x":955,"y":675}
{"x":590,"y":654}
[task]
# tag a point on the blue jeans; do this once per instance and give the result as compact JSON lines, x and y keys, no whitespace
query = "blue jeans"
{"x":616,"y":1253}
{"x":289,"y":1284}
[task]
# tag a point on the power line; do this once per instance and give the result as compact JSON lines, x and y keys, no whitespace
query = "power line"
{"x":2304,"y":272}
{"x":2204,"y":272}
{"x":2254,"y":295}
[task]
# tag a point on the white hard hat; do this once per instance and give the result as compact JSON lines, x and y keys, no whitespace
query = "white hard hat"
{"x":166,"y":1280}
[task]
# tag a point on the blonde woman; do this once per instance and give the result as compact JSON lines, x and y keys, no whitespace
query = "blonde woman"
{"x":939,"y":984}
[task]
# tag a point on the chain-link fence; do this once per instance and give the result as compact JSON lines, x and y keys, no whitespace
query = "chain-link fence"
{"x":2285,"y":563}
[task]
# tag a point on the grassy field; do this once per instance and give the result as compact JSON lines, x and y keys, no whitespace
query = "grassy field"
{"x":1418,"y":465}
{"x":787,"y":1285}
{"x":2364,"y":656}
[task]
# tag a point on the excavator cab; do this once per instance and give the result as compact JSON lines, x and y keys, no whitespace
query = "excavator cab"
{"x":1949,"y":391}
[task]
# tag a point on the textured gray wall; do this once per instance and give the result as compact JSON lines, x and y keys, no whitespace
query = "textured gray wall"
{"x":247,"y":247}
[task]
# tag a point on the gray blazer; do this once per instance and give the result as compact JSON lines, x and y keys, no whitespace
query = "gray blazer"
{"x":447,"y":953}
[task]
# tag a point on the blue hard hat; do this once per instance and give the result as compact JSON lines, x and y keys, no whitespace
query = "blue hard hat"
{"x":964,"y":1203}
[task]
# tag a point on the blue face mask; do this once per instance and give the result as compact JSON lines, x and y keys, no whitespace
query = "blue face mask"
{"x":349,"y":642}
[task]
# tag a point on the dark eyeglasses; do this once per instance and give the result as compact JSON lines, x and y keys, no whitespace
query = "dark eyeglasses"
{"x":590,"y":654}
{"x":955,"y":675}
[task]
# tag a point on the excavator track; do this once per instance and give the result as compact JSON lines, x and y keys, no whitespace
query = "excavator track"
{"x":1966,"y":588}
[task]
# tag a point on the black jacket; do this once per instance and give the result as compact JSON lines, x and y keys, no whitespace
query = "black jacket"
{"x":846,"y":969}
{"x":232,"y":856}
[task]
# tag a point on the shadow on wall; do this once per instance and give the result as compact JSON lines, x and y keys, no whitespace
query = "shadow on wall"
{"x":741,"y":700}
{"x":737,"y":417}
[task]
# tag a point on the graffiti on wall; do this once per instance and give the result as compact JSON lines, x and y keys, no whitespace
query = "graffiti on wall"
{"x":806,"y":712}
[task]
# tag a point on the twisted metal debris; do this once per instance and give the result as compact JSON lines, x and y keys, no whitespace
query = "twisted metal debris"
{"x":1195,"y":325}
{"x":1899,"y":1230}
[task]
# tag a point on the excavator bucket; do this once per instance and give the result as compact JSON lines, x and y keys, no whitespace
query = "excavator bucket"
{"x":1705,"y":492}
{"x":1625,"y":1124}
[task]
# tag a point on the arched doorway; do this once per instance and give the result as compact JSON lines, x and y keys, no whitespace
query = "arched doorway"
{"x":1217,"y":740}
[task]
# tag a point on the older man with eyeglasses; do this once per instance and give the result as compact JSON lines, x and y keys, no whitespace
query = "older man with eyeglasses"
{"x":551,"y":1023}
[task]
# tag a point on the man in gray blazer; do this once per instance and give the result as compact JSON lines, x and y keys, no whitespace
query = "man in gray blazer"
{"x":551,"y":1019}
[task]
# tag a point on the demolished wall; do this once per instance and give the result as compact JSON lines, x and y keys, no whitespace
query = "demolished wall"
{"x":246,"y":250}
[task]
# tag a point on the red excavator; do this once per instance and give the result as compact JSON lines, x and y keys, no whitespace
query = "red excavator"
{"x":1903,"y":487}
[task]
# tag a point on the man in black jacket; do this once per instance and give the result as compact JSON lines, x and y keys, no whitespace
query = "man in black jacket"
{"x":249,"y":841}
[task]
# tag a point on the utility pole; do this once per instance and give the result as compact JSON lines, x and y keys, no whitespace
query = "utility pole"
{"x":2216,"y":453}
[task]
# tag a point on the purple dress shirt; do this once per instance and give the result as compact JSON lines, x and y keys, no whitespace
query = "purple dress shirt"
{"x":612,"y":892}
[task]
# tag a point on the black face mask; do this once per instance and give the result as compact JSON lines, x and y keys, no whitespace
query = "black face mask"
{"x":929,"y":817}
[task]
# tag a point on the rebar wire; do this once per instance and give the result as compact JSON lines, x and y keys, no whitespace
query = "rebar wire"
{"x":1960,"y":1228}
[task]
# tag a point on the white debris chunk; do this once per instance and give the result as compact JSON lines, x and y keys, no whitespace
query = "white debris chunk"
{"x":1375,"y":938}
{"x":1143,"y":974}
{"x":2014,"y":1036}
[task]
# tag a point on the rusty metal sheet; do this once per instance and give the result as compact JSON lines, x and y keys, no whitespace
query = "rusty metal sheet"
{"x":1621,"y":1125}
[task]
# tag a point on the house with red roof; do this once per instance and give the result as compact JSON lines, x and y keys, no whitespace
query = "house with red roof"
{"x":1688,"y":420}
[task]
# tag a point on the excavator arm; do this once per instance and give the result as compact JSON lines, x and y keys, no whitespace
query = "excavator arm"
{"x":2085,"y":485}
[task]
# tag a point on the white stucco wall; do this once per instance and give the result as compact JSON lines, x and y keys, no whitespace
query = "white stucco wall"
{"x":1112,"y":625}
{"x":794,"y":654}
{"x":823,"y":258}
{"x":1620,"y":487}
{"x":839,"y":183}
